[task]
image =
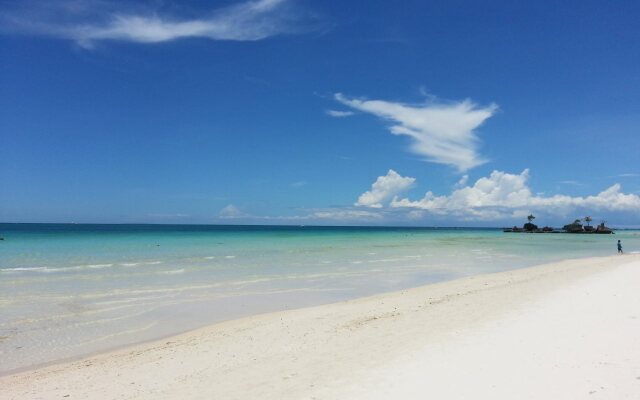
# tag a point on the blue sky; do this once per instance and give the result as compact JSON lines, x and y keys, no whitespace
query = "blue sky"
{"x":309,"y":112}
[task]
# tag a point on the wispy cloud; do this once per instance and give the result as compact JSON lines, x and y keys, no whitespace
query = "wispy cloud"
{"x":344,"y":215}
{"x":339,"y":114}
{"x":299,"y":184}
{"x":169,"y":215}
{"x":334,"y":215}
{"x":247,"y":21}
{"x":571,"y":182}
{"x":442,"y":132}
{"x":463,"y":180}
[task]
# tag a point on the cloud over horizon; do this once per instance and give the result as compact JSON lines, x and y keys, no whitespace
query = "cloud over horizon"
{"x":231,"y":211}
{"x":328,"y":214}
{"x":502,"y":195}
{"x":444,"y":133}
{"x":95,"y":21}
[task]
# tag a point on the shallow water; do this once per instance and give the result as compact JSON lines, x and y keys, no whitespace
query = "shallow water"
{"x":69,"y":290}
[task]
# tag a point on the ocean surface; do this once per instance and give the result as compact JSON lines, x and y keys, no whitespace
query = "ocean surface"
{"x":71,"y":290}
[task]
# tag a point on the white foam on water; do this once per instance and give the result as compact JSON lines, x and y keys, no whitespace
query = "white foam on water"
{"x":25,"y":269}
{"x":171,"y":272}
{"x":385,"y":260}
{"x":55,"y":269}
{"x":135,"y":264}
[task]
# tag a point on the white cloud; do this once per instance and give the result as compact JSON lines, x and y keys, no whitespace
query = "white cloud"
{"x":231,"y":211}
{"x":463,"y":181}
{"x":499,"y":196}
{"x":339,"y":114}
{"x":299,"y":184}
{"x":384,"y":188}
{"x":251,"y":20}
{"x":442,"y":132}
{"x":503,"y":195}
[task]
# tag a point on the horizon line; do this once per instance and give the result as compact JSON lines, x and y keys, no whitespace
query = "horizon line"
{"x":272,"y":225}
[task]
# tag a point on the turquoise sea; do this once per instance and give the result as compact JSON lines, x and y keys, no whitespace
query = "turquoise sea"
{"x":70,"y":290}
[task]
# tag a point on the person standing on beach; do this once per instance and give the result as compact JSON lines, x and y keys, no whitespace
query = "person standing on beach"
{"x":620,"y":247}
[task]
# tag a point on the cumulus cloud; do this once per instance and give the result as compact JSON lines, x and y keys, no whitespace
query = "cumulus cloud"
{"x":251,"y":20}
{"x":231,"y":211}
{"x":503,"y":195}
{"x":443,"y":133}
{"x":339,"y":114}
{"x":384,"y":188}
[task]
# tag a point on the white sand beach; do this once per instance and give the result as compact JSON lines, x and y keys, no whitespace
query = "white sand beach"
{"x":568,"y":330}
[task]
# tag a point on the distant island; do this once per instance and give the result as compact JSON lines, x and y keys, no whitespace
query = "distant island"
{"x":574,"y":227}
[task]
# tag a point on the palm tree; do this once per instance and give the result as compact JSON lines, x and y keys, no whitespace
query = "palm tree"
{"x":587,"y":219}
{"x":531,"y":217}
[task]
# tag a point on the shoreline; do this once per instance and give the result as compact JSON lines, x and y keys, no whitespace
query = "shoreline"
{"x":74,"y":295}
{"x":369,"y":332}
{"x":134,"y":345}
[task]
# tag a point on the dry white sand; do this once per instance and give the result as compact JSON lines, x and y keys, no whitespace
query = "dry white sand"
{"x":569,"y":330}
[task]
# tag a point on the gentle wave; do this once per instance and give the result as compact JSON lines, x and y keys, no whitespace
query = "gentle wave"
{"x":97,"y":266}
{"x":135,"y":264}
{"x":75,"y":267}
{"x":171,"y":272}
{"x":56,"y":269}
